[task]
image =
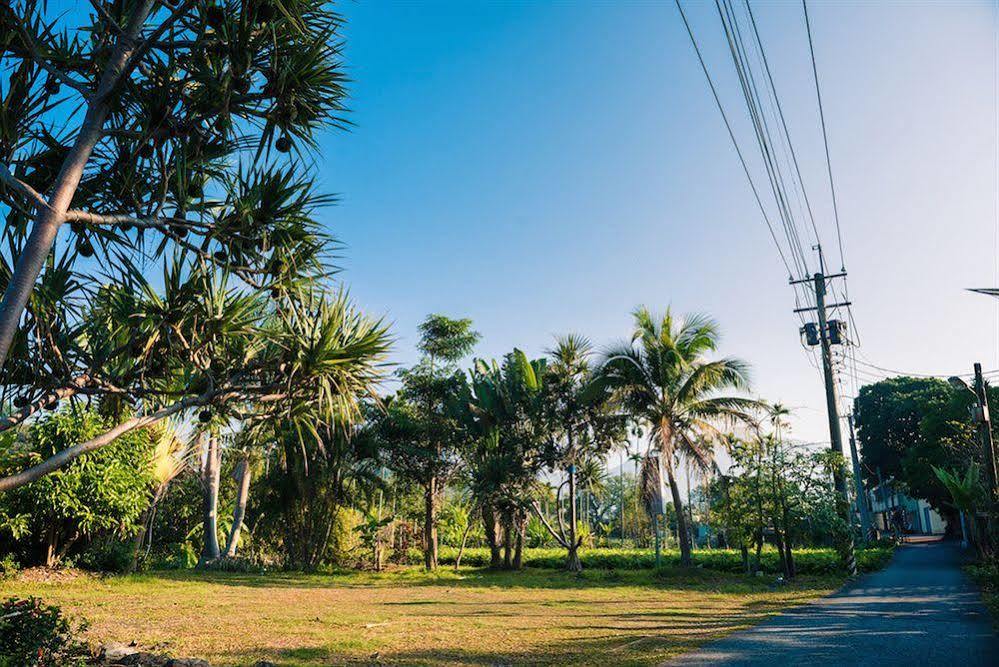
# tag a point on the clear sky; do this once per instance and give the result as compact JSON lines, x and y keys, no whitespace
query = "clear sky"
{"x":543,"y":168}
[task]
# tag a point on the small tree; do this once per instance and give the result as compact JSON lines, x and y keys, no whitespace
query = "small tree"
{"x":103,"y":493}
{"x":581,"y":431}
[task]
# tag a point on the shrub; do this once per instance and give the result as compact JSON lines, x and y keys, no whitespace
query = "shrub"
{"x":33,"y":634}
{"x":99,"y":495}
{"x":986,"y":573}
{"x":9,"y":567}
{"x":808,"y":561}
{"x":107,"y":555}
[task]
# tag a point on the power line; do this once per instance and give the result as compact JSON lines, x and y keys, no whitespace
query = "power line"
{"x":764,"y":138}
{"x":783,"y":121}
{"x":825,"y":137}
{"x":735,"y":143}
{"x":892,"y":371}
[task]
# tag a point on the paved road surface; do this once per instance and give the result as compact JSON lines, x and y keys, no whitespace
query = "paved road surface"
{"x":920,"y":610}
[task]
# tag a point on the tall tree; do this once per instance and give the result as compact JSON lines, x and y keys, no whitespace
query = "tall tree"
{"x":506,"y":415}
{"x":422,"y":429}
{"x":580,"y":432}
{"x":152,"y":106}
{"x":173,"y":139}
{"x":664,"y":379}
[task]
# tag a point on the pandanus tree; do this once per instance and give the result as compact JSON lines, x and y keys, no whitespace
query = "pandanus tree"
{"x":171,"y":138}
{"x":139,"y":126}
{"x":664,"y":379}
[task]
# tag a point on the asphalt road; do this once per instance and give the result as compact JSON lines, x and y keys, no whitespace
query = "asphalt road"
{"x":920,"y":610}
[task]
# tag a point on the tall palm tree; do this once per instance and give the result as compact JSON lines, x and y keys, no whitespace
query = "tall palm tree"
{"x":663,"y":379}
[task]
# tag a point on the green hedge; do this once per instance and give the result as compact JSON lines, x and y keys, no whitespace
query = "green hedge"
{"x":808,"y":561}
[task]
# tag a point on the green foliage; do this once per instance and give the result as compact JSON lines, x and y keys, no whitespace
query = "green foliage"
{"x":33,"y":634}
{"x":445,"y":339}
{"x":453,"y":519}
{"x":986,"y":573}
{"x":907,"y":427}
{"x":100,"y":494}
{"x":966,"y":492}
{"x":809,"y":560}
{"x":107,"y":555}
{"x":9,"y":567}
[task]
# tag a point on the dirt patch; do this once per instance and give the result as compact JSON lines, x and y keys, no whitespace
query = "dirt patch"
{"x":52,"y":575}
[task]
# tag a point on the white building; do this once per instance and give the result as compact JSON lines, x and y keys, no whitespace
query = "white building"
{"x":890,"y":507}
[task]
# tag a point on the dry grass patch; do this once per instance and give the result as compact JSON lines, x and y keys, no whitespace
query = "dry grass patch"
{"x":406,"y":617}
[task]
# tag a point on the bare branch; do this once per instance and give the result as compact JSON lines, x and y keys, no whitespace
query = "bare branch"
{"x":68,"y":455}
{"x":22,"y":188}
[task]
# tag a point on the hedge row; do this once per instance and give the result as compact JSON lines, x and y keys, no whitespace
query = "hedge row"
{"x":807,"y":561}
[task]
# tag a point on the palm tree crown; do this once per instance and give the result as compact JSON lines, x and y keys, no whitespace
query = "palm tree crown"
{"x":662,"y":377}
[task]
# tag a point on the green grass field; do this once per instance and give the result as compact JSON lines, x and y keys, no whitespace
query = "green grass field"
{"x":407,"y":617}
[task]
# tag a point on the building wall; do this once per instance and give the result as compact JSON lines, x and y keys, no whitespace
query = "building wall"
{"x":920,"y":518}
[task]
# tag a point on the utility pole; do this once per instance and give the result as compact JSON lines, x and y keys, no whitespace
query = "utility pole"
{"x":985,"y":429}
{"x":819,"y":281}
{"x":862,"y":507}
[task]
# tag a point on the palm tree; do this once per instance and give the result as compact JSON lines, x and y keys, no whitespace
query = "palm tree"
{"x":663,"y":379}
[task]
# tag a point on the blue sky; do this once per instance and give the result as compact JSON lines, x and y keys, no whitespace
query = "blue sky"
{"x":543,"y":168}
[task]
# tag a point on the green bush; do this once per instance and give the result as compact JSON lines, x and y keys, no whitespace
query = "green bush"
{"x":9,"y":567}
{"x":808,"y":561}
{"x":106,"y":555}
{"x":100,"y":495}
{"x":33,"y":634}
{"x":986,"y":573}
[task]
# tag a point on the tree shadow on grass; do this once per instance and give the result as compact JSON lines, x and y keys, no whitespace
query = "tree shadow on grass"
{"x":667,"y":578}
{"x":612,"y":648}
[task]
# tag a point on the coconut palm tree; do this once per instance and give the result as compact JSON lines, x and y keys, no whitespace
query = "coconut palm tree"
{"x":663,"y":378}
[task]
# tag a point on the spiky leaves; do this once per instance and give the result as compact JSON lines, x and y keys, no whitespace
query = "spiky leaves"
{"x":166,"y":114}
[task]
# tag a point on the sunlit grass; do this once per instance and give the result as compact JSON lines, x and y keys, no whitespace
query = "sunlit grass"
{"x":407,"y":617}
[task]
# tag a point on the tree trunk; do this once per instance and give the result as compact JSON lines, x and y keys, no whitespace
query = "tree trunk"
{"x":51,"y":545}
{"x":791,"y":571}
{"x":744,"y":550}
{"x":430,"y":525}
{"x":518,"y":555}
{"x":572,"y":562}
{"x":464,"y":540}
{"x":489,"y":525}
{"x":213,"y":465}
{"x":47,"y":219}
{"x":683,"y":531}
{"x":507,"y":541}
{"x":140,"y":534}
{"x":243,"y":476}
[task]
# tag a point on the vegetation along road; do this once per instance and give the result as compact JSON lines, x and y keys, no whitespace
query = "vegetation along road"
{"x":920,"y":610}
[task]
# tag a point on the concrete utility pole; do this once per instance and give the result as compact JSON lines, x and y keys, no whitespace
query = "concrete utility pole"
{"x":819,"y":281}
{"x":858,"y":481}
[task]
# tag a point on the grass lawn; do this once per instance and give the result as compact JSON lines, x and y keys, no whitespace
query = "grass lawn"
{"x":406,"y":617}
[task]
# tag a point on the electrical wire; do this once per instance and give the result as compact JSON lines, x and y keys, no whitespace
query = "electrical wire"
{"x":825,"y":136}
{"x":735,"y":143}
